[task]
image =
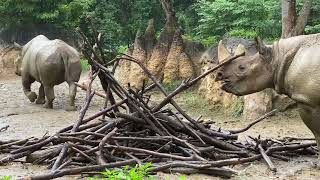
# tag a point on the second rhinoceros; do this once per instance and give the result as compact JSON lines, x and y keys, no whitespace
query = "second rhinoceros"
{"x":50,"y":62}
{"x":290,"y":66}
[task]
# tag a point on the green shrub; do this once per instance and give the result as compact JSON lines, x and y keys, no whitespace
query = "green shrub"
{"x":242,"y":33}
{"x":136,"y":173}
{"x":122,"y":49}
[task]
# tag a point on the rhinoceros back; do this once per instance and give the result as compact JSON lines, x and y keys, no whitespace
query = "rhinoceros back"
{"x":50,"y":62}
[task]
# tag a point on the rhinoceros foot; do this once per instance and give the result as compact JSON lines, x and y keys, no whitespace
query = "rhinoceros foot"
{"x":40,"y":101}
{"x":48,"y":105}
{"x":70,"y":108}
{"x":32,"y":96}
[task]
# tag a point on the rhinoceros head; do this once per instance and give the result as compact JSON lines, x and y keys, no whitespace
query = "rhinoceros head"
{"x":246,"y":74}
{"x":18,"y":60}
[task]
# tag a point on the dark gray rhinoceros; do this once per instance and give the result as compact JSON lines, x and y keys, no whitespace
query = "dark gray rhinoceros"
{"x":50,"y":62}
{"x":290,"y":66}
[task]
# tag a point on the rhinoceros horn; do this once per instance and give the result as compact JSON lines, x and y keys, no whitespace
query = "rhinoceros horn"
{"x":16,"y":45}
{"x":240,"y":49}
{"x":223,"y":53}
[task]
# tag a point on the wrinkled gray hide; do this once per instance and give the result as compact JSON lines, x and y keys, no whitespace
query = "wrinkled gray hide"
{"x":50,"y":62}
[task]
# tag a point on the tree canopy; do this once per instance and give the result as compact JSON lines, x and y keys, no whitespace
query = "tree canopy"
{"x":119,"y":20}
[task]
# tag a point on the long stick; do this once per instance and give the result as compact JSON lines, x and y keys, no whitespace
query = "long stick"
{"x":268,"y":114}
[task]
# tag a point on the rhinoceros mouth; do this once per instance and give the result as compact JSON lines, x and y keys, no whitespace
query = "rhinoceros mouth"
{"x":228,"y":87}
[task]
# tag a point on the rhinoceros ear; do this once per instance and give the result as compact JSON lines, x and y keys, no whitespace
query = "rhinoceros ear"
{"x":263,"y":49}
{"x":240,"y":49}
{"x":223,"y":53}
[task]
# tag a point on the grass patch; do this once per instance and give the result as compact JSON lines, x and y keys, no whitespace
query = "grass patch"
{"x":126,"y":173}
{"x":197,"y":105}
{"x":85,"y":66}
{"x":237,"y":107}
{"x":169,"y":87}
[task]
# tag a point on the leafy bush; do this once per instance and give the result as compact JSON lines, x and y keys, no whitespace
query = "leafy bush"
{"x":221,"y":16}
{"x":136,"y":173}
{"x":242,"y":33}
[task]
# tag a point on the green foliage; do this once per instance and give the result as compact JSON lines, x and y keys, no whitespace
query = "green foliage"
{"x":122,"y":49}
{"x":239,"y":18}
{"x":64,"y":13}
{"x":119,"y":20}
{"x":207,"y":42}
{"x":85,"y":66}
{"x":313,"y":25}
{"x":6,"y":178}
{"x":136,"y":173}
{"x":242,"y":33}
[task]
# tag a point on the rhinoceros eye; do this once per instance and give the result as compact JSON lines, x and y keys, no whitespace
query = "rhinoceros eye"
{"x":241,"y":67}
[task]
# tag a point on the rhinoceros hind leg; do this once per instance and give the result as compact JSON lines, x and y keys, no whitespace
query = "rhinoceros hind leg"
{"x":26,"y":83}
{"x":311,"y":117}
{"x":72,"y":94}
{"x":49,"y":93}
{"x":41,"y":98}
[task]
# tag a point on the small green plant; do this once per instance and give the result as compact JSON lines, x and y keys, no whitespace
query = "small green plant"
{"x":6,"y":178}
{"x":182,"y":178}
{"x":85,"y":66}
{"x":136,"y":173}
{"x":122,"y":49}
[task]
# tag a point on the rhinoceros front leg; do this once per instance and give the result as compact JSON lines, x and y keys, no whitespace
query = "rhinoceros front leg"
{"x":72,"y":95}
{"x":49,"y":93}
{"x":41,"y":97}
{"x":311,"y":117}
{"x":26,"y":84}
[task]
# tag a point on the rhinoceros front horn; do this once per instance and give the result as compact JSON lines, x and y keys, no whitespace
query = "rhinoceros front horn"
{"x":223,"y":53}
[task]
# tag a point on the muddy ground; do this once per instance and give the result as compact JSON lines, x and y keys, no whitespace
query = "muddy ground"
{"x":26,"y":119}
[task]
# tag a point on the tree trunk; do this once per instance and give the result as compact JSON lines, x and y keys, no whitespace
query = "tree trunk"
{"x":302,"y":19}
{"x":291,"y":24}
{"x":288,"y":17}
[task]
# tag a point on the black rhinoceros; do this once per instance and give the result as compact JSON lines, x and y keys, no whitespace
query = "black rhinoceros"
{"x":50,"y":62}
{"x":290,"y":66}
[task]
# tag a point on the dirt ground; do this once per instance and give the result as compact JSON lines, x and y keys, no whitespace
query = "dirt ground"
{"x":26,"y":119}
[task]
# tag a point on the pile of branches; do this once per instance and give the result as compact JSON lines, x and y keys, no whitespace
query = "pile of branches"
{"x":130,"y":131}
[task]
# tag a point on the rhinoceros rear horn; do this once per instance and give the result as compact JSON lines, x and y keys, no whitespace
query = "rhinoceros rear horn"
{"x":16,"y":45}
{"x":223,"y":53}
{"x":240,"y":49}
